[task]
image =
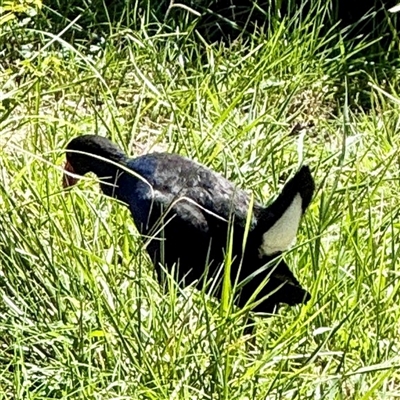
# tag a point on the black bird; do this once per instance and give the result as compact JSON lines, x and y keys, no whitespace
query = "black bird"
{"x":183,"y":210}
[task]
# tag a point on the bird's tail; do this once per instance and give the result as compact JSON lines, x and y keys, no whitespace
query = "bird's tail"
{"x":279,"y":222}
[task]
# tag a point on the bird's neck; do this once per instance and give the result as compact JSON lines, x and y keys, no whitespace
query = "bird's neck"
{"x":109,"y":175}
{"x":109,"y":184}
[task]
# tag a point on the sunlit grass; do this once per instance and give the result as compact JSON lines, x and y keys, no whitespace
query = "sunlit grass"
{"x":81,"y":313}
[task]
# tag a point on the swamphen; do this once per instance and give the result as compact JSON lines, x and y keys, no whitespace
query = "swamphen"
{"x":184,"y":209}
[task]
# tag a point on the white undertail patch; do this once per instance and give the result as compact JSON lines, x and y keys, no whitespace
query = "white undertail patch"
{"x":281,"y":235}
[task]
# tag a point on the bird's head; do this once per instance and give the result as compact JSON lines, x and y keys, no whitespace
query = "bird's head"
{"x":90,"y":153}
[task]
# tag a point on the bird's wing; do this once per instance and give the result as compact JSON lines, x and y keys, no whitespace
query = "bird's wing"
{"x":209,"y":191}
{"x":191,"y":192}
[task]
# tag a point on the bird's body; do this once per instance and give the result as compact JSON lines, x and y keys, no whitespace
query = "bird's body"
{"x":185,"y":212}
{"x":193,"y":205}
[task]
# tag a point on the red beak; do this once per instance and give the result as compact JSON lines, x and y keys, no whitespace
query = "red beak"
{"x":68,"y":180}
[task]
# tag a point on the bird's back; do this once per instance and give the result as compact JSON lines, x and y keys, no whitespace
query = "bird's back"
{"x":170,"y":178}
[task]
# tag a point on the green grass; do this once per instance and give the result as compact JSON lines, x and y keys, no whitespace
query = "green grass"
{"x":82,"y":316}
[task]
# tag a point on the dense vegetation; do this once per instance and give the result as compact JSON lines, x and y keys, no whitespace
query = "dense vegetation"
{"x":81,"y":313}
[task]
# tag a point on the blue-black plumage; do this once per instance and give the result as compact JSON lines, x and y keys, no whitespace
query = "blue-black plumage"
{"x":184,"y":209}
